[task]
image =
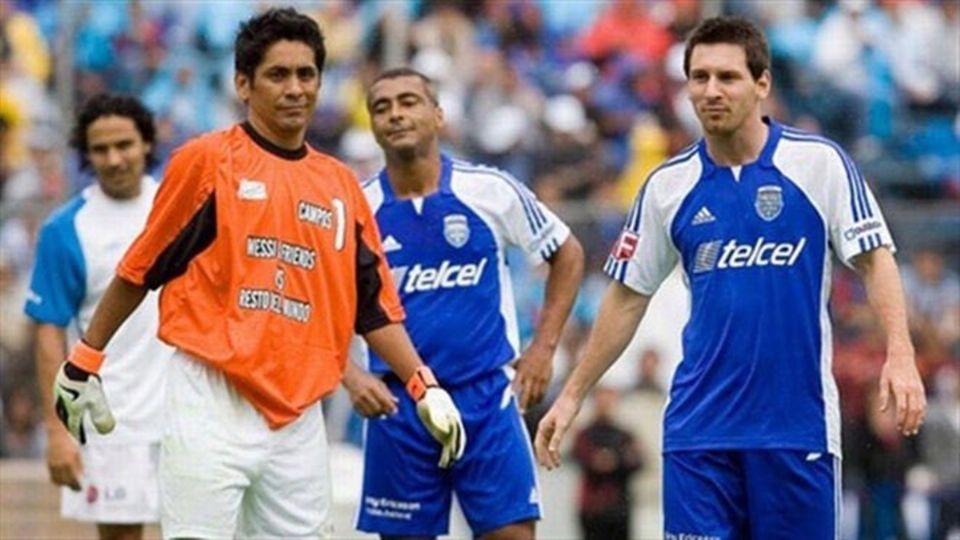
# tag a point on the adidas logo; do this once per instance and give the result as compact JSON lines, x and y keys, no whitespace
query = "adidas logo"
{"x":703,"y":216}
{"x":390,"y":244}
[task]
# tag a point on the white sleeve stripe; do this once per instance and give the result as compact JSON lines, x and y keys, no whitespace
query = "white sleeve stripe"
{"x":859,"y":202}
{"x":552,"y":246}
{"x":871,"y":242}
{"x":615,"y":269}
{"x":535,"y":218}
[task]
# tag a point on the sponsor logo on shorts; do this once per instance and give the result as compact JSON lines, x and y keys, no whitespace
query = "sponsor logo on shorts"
{"x":689,"y":536}
{"x":390,"y":508}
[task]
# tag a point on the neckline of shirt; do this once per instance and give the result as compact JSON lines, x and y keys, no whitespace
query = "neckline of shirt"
{"x":279,"y":151}
{"x":766,"y":154}
{"x":446,"y":170}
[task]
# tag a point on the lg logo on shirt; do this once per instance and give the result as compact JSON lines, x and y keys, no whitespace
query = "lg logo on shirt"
{"x":419,"y":278}
{"x":716,"y":254}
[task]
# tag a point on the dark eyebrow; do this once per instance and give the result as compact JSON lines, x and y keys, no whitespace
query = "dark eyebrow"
{"x":118,"y":142}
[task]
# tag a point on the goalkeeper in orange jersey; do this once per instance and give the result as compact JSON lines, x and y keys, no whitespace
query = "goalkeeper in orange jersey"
{"x":269,"y":261}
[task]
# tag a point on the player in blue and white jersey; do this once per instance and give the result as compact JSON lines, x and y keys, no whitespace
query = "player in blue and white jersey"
{"x":110,"y":481}
{"x":753,"y":214}
{"x":445,"y":226}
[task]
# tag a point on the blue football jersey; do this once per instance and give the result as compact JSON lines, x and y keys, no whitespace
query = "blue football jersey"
{"x":754,"y":243}
{"x":446,"y":254}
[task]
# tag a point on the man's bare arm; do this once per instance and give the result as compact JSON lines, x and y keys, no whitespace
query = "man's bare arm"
{"x":393,"y":345}
{"x":620,"y":314}
{"x":535,"y":367}
{"x":899,"y":376}
{"x":120,"y":300}
{"x":63,"y":454}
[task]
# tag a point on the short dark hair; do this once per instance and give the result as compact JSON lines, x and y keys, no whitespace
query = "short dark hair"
{"x":404,"y":71}
{"x":257,"y":34}
{"x":736,"y":31}
{"x":102,"y":105}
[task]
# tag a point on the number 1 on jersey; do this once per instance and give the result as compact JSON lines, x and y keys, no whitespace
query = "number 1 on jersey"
{"x":341,"y":211}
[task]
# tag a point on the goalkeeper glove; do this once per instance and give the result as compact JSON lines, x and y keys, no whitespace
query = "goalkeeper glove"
{"x":77,"y":388}
{"x":439,"y":415}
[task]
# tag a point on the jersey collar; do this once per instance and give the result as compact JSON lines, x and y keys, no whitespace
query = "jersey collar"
{"x":278,"y":151}
{"x":766,"y":155}
{"x":446,"y":171}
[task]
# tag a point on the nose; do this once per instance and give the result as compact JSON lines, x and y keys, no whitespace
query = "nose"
{"x":114,"y":157}
{"x":396,"y":112}
{"x":713,"y":88}
{"x":294,"y":87}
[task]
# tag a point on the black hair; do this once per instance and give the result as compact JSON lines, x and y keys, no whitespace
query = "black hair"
{"x":102,"y":105}
{"x":403,"y":71}
{"x":257,"y":34}
{"x":736,"y":31}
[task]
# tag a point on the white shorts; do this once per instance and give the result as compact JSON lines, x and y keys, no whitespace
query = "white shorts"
{"x":224,"y":473}
{"x":119,"y":485}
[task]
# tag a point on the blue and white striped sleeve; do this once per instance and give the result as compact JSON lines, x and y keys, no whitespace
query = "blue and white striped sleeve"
{"x":530,"y":225}
{"x":643,"y":255}
{"x":856,"y":223}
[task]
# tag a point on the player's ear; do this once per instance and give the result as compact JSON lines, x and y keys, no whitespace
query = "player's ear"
{"x":764,"y":84}
{"x":441,"y":122}
{"x":242,"y":85}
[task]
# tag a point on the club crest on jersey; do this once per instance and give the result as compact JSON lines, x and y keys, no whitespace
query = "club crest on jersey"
{"x":769,"y":202}
{"x":456,"y":230}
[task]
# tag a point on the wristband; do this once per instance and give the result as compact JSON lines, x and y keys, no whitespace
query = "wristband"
{"x":86,"y":357}
{"x":421,"y":380}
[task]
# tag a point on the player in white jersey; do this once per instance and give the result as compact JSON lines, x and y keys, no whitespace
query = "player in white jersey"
{"x":751,"y":212}
{"x":446,"y":225}
{"x":111,"y":481}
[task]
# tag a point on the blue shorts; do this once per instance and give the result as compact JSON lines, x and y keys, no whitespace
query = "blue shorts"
{"x":743,"y":494}
{"x":406,"y":493}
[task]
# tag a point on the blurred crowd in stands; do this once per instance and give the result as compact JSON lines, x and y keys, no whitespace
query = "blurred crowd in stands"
{"x":580,"y":100}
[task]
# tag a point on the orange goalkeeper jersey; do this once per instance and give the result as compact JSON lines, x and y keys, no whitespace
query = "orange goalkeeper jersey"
{"x":270,"y":261}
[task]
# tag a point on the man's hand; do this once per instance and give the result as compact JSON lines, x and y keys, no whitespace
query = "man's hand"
{"x":534,"y":371}
{"x":63,"y":459}
{"x":439,"y":415}
{"x":75,"y":392}
{"x":899,"y":377}
{"x":368,"y":394}
{"x":552,"y":428}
